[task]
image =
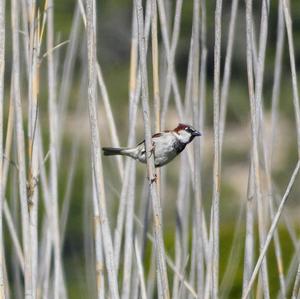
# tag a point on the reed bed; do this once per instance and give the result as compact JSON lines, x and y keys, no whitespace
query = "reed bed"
{"x":136,"y":231}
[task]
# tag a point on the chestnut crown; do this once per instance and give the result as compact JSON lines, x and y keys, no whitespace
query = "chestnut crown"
{"x":186,"y":133}
{"x":188,"y":129}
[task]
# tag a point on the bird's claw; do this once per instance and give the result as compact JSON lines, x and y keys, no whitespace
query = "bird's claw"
{"x":152,"y":149}
{"x":153,"y":179}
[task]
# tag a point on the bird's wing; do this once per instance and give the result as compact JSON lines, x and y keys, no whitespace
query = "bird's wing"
{"x":155,"y":136}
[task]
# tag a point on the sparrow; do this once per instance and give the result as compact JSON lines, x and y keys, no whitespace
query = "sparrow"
{"x":166,"y":145}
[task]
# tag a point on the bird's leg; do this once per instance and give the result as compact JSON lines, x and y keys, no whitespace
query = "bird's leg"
{"x":154,"y":179}
{"x":152,"y":149}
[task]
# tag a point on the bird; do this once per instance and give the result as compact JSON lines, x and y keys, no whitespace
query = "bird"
{"x":166,"y":145}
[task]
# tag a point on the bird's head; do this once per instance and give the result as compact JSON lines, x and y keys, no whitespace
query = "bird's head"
{"x":186,"y":133}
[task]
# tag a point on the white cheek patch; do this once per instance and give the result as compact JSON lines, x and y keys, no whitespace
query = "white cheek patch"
{"x":184,"y":136}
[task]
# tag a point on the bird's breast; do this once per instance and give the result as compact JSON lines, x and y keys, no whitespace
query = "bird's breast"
{"x":166,"y":148}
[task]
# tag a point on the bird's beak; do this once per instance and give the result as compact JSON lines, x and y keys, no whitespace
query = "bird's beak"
{"x":196,"y":133}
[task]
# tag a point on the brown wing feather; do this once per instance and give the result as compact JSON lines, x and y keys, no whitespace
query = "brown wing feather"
{"x":155,"y":135}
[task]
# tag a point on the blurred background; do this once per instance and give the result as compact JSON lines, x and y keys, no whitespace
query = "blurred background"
{"x":114,"y":28}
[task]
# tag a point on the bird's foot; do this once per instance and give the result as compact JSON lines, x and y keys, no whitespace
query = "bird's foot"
{"x":152,"y":149}
{"x":153,"y":179}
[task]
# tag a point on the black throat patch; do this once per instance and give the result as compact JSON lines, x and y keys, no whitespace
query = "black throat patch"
{"x":179,"y":147}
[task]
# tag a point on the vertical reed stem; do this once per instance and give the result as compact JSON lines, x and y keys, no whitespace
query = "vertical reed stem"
{"x":96,"y":150}
{"x":159,"y":243}
{"x":2,"y":67}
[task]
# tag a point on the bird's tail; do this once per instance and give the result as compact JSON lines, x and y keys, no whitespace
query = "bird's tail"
{"x":124,"y":151}
{"x":112,"y":151}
